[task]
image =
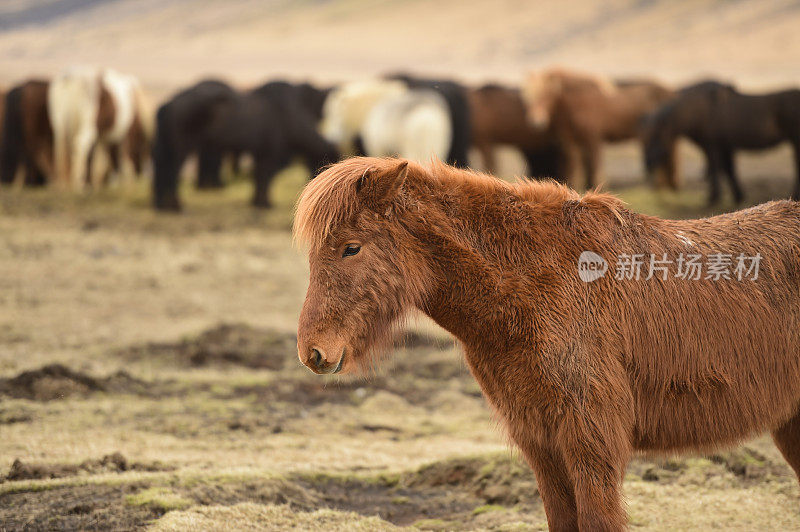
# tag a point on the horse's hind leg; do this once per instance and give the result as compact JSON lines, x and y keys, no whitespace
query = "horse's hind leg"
{"x":712,"y":174}
{"x":729,"y":166}
{"x":591,"y":162}
{"x":81,"y":158}
{"x":787,"y":439}
{"x":796,"y":150}
{"x":266,"y":167}
{"x":208,"y":168}
{"x":487,"y":156}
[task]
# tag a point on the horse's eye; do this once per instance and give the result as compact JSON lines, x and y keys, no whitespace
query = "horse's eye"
{"x":350,"y":250}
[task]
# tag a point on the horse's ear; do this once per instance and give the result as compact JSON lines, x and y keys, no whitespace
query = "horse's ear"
{"x":378,"y":189}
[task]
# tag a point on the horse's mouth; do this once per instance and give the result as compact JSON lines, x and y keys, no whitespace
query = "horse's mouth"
{"x":335,"y":369}
{"x":338,"y":367}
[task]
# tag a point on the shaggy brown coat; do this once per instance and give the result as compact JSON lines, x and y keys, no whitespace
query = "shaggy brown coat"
{"x":584,"y":374}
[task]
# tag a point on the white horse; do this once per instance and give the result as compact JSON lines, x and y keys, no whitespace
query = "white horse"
{"x":89,"y":108}
{"x":414,"y":124}
{"x":346,"y":109}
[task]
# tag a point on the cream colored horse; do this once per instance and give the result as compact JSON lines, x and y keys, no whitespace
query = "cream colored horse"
{"x":347,"y":107}
{"x":413,"y":125}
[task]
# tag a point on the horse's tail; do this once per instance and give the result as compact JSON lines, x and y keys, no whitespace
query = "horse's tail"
{"x":165,"y":165}
{"x":13,"y":140}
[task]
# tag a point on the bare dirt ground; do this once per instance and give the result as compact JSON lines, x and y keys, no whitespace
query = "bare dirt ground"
{"x":148,"y":377}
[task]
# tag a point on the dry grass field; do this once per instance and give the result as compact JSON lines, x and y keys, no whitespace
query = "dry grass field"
{"x":148,"y":369}
{"x":149,"y":378}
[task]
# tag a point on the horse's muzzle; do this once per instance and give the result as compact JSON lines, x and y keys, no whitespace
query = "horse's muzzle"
{"x":317,"y":362}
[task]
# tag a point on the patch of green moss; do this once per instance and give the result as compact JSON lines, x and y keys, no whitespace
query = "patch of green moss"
{"x":160,"y":498}
{"x":488,"y":508}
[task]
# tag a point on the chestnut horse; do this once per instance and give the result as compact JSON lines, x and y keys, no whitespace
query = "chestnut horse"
{"x":584,"y":111}
{"x":583,"y":373}
{"x":498,"y":118}
{"x":27,"y":136}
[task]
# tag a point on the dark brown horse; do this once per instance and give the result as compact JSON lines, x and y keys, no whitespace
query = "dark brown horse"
{"x":27,"y":138}
{"x":584,"y":111}
{"x":498,"y":118}
{"x":583,"y":373}
{"x":720,"y":120}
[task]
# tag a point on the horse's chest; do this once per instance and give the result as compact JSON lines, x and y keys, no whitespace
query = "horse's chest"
{"x":518,"y":388}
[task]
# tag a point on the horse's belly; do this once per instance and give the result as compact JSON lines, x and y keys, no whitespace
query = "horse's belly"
{"x":712,"y":417}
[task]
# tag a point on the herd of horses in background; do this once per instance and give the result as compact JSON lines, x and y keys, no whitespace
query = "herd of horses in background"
{"x":88,"y":126}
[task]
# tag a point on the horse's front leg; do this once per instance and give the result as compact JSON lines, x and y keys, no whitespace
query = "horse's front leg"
{"x":712,"y":174}
{"x":555,"y":486}
{"x":596,"y":447}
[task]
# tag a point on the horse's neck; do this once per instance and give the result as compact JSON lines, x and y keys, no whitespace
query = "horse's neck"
{"x":465,"y":296}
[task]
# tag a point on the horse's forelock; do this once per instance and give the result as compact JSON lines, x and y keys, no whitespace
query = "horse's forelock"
{"x":331,"y":199}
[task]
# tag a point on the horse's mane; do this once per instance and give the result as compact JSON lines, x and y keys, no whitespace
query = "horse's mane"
{"x":331,"y":199}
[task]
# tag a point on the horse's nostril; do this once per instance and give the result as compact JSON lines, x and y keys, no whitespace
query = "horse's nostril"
{"x":316,"y":358}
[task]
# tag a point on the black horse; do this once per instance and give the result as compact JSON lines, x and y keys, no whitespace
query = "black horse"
{"x":273,"y":123}
{"x":457,"y":100}
{"x":721,"y":120}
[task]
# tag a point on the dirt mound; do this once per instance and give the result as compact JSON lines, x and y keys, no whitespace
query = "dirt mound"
{"x":56,"y":381}
{"x":749,"y":464}
{"x":87,"y":507}
{"x":449,"y":490}
{"x":227,"y":344}
{"x":15,"y":414}
{"x":497,"y":480}
{"x":110,"y":463}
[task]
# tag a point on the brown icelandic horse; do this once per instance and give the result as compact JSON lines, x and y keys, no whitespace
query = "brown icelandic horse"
{"x":27,"y":138}
{"x":584,"y":111}
{"x":498,"y":118}
{"x":583,"y":373}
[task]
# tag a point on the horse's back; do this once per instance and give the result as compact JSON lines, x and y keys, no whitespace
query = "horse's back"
{"x":347,"y":107}
{"x":714,"y":358}
{"x":413,"y":124}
